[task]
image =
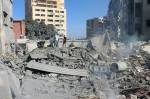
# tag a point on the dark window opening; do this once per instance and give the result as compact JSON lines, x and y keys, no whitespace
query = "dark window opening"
{"x":148,"y":1}
{"x":5,"y":14}
{"x":138,"y":9}
{"x":11,"y":19}
{"x":148,"y":23}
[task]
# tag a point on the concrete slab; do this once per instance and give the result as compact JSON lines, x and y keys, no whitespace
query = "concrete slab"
{"x":38,"y":56}
{"x":57,"y":70}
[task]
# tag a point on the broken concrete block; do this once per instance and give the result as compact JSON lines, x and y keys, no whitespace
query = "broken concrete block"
{"x":57,"y":70}
{"x":5,"y":90}
{"x":133,"y":96}
{"x":121,"y":97}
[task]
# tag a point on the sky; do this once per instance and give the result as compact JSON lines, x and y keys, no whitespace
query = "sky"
{"x":78,"y":11}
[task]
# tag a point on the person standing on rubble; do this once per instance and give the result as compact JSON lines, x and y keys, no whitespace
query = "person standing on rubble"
{"x":52,"y":40}
{"x":56,"y":40}
{"x":64,"y":41}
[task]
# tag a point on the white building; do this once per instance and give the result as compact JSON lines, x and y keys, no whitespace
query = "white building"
{"x":6,"y":26}
{"x":48,"y":11}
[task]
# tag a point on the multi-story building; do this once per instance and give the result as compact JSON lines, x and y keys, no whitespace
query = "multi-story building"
{"x":121,"y":16}
{"x":129,"y":18}
{"x":96,"y":26}
{"x":6,"y":26}
{"x":146,"y":19}
{"x":19,"y":29}
{"x":49,"y":11}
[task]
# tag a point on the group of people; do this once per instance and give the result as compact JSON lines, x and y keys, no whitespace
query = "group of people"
{"x":54,"y":41}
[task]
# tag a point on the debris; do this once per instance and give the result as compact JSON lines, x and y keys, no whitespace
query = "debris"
{"x":77,"y":73}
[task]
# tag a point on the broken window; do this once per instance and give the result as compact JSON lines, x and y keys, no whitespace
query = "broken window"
{"x":11,"y":1}
{"x":11,"y":21}
{"x":5,"y":14}
{"x":148,"y":23}
{"x":5,"y":18}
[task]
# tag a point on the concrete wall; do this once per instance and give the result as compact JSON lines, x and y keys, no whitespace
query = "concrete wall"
{"x":6,"y":26}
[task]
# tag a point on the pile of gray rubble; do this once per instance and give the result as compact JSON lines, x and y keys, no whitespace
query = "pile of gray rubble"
{"x":76,"y":73}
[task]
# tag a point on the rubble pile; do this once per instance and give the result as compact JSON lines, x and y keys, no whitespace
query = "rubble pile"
{"x":76,"y":73}
{"x":60,"y":73}
{"x":72,"y":58}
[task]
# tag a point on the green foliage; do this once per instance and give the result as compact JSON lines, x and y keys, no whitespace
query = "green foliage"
{"x":39,"y":30}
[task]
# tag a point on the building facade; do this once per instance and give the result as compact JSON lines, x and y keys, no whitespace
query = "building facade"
{"x":96,"y":26}
{"x":6,"y":26}
{"x":121,"y":16}
{"x":129,"y":19}
{"x":19,"y":29}
{"x":49,"y":11}
{"x":146,"y":19}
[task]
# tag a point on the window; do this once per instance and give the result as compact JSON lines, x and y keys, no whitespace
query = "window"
{"x":37,"y":14}
{"x":56,"y":15}
{"x":148,"y":1}
{"x":41,"y":5}
{"x":43,"y":10}
{"x":11,"y":19}
{"x":61,"y":11}
{"x":57,"y":11}
{"x":62,"y":21}
{"x":50,"y":20}
{"x":57,"y":25}
{"x":42,"y":14}
{"x":61,"y":16}
{"x":50,"y":15}
{"x":138,"y":9}
{"x":50,"y":10}
{"x":37,"y":9}
{"x":148,"y":23}
{"x":51,"y":6}
{"x":43,"y":20}
{"x":11,"y":1}
{"x":37,"y":20}
{"x":56,"y":20}
{"x":51,"y":2}
{"x":5,"y":18}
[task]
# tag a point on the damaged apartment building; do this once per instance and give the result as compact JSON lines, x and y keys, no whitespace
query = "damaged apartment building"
{"x":6,"y":26}
{"x":129,"y":19}
{"x":96,"y":26}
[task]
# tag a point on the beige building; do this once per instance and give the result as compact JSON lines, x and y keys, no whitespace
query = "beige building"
{"x":48,"y":11}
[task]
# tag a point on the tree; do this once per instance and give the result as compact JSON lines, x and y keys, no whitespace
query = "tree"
{"x":39,"y":30}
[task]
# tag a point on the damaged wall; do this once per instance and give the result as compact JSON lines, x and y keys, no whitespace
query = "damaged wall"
{"x":6,"y":26}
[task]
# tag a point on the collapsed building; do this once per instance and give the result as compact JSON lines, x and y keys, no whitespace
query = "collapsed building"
{"x":78,"y":73}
